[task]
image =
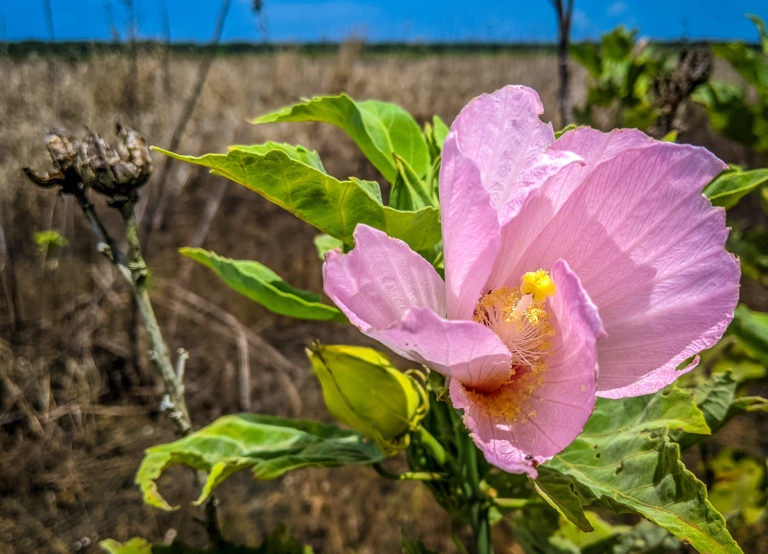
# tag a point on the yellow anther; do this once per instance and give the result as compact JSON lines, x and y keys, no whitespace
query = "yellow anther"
{"x":538,"y":284}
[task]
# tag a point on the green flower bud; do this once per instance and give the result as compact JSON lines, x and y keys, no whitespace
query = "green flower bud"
{"x":363,"y":389}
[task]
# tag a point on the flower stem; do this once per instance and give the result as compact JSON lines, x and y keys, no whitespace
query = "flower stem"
{"x":430,"y":442}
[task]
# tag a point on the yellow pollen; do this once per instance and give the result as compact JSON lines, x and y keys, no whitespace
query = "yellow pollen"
{"x":520,"y":318}
{"x":538,"y":284}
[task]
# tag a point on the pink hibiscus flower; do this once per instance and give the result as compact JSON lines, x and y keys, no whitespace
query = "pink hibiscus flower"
{"x":596,"y":250}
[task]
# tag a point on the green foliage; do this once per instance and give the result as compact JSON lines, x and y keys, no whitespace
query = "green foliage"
{"x":363,"y":389}
{"x":412,"y":546}
{"x":267,"y":445}
{"x":49,"y":241}
{"x":380,"y":129}
{"x":295,"y":152}
{"x":732,"y":184}
{"x":278,"y":542}
{"x":262,"y":285}
{"x":751,"y":328}
{"x":334,"y":207}
{"x":718,"y":402}
{"x":732,"y":111}
{"x":623,"y":77}
{"x":739,"y":488}
{"x":625,"y":461}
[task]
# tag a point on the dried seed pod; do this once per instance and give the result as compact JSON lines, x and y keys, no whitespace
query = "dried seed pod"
{"x":62,"y":148}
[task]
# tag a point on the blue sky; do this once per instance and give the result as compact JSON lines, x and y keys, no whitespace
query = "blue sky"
{"x":384,"y":20}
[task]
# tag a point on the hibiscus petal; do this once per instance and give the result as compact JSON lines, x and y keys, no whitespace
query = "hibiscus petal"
{"x":649,"y":250}
{"x":463,"y":350}
{"x":502,"y":134}
{"x":560,"y":404}
{"x":471,"y":233}
{"x":396,"y":297}
{"x":380,"y":280}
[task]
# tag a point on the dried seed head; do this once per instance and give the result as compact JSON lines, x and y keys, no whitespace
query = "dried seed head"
{"x":62,"y":148}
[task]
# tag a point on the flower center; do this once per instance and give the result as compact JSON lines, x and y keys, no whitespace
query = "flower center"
{"x":519,"y":317}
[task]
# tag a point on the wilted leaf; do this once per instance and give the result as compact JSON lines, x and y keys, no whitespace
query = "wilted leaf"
{"x":267,"y":445}
{"x":334,"y":207}
{"x":262,"y":285}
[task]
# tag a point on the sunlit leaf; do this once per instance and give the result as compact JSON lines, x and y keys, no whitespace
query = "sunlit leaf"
{"x":325,"y":243}
{"x":731,"y":185}
{"x":380,"y":129}
{"x":625,"y":461}
{"x":334,"y":207}
{"x":267,"y":445}
{"x":262,"y":285}
{"x":298,"y":153}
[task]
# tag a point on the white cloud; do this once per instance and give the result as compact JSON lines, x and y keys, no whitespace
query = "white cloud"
{"x":616,"y":9}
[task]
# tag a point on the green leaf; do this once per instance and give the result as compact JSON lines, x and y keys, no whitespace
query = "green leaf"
{"x":277,"y":542}
{"x":760,"y":24}
{"x":136,"y":545}
{"x":739,"y":488}
{"x":325,"y":243}
{"x":625,"y":461}
{"x":751,"y":328}
{"x":267,"y":445}
{"x":363,"y":389}
{"x":440,"y":131}
{"x":716,"y":398}
{"x":262,"y":285}
{"x":334,"y":207}
{"x":732,"y":184}
{"x":380,"y":129}
{"x":298,"y":153}
{"x":411,"y":192}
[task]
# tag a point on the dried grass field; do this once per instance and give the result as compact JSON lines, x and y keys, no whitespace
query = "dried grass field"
{"x":78,"y":399}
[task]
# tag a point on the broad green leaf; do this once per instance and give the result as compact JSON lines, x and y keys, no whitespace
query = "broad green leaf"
{"x":588,"y":55}
{"x":363,"y":389}
{"x":278,"y":541}
{"x":732,"y":184}
{"x":751,"y":328}
{"x":267,"y":445}
{"x":334,"y":207}
{"x":380,"y":129}
{"x":716,"y":398}
{"x":325,"y":243}
{"x":298,"y":153}
{"x":739,"y":488}
{"x":625,"y":461}
{"x":262,"y":285}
